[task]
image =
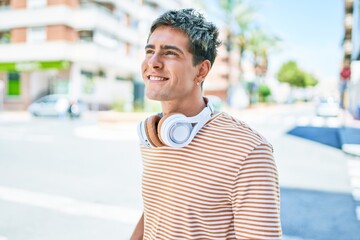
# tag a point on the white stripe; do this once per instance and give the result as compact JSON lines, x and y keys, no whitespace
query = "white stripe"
{"x":70,"y":206}
{"x":303,"y":121}
{"x":356,"y":194}
{"x":26,"y":137}
{"x":354,"y":172}
{"x":3,"y":238}
{"x":355,"y":182}
{"x":126,"y":132}
{"x":292,"y":238}
{"x":198,"y":159}
{"x":353,"y":164}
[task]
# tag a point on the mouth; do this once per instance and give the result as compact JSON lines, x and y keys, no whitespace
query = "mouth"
{"x":156,"y":78}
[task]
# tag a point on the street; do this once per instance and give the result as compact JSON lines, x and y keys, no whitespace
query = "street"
{"x":81,"y":179}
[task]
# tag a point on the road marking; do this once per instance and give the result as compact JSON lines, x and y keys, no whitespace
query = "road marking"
{"x":69,"y":205}
{"x":318,"y":122}
{"x":354,"y":173}
{"x":303,"y":121}
{"x":356,"y":194}
{"x":6,"y":134}
{"x":117,"y":132}
{"x":285,"y":237}
{"x":353,"y":163}
{"x":28,"y":138}
{"x":3,"y":238}
{"x":355,"y":182}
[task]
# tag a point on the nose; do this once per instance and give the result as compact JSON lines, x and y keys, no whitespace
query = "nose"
{"x":155,"y":61}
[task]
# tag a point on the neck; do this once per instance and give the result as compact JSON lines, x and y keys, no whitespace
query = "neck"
{"x":189,"y":107}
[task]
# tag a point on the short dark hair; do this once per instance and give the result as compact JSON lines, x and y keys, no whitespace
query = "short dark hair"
{"x":203,"y":35}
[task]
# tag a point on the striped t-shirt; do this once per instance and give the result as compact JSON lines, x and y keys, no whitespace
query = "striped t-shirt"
{"x":223,"y":185}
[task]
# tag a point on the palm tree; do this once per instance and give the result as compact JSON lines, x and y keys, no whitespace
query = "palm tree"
{"x":240,"y":19}
{"x":260,"y":44}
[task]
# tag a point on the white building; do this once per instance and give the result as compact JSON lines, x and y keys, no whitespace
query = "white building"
{"x":351,"y":47}
{"x":88,"y":49}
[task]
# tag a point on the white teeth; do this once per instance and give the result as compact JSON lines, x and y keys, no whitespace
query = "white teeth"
{"x":156,"y":78}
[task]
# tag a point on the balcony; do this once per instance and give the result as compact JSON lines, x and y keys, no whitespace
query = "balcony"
{"x":4,"y":5}
{"x":89,"y":17}
{"x":89,"y":54}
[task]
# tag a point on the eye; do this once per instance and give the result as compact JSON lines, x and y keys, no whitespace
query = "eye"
{"x":170,"y":53}
{"x":149,"y":51}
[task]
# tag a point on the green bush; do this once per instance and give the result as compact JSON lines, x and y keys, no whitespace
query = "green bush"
{"x":118,"y":105}
{"x":264,"y":92}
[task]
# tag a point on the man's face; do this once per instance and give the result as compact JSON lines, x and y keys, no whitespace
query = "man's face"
{"x":167,"y":69}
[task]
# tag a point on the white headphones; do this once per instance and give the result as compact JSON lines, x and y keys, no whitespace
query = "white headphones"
{"x":174,"y":130}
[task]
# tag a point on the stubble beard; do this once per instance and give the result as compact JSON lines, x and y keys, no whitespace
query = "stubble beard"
{"x":157,"y":95}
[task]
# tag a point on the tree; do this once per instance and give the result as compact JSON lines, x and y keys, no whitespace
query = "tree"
{"x":290,"y":73}
{"x":240,"y":20}
{"x":260,"y":44}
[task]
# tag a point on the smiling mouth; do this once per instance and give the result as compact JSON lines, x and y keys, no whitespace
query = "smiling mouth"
{"x":155,"y":78}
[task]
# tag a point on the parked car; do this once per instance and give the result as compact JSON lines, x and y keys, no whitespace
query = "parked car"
{"x":327,"y":107}
{"x":57,"y":106}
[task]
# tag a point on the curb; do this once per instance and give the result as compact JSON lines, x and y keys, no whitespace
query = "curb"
{"x":351,"y":149}
{"x":350,"y":140}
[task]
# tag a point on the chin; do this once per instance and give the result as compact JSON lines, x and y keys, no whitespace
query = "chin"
{"x":154,"y":97}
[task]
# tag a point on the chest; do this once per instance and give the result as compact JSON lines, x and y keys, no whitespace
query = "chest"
{"x":191,"y":177}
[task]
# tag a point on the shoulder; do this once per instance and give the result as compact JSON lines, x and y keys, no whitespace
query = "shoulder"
{"x":233,"y":130}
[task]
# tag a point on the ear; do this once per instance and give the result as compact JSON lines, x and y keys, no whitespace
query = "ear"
{"x":204,"y":68}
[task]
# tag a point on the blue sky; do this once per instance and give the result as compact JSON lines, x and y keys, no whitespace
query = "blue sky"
{"x":311,"y":33}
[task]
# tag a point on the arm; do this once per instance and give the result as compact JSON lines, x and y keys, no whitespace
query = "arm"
{"x":256,"y":197}
{"x":139,"y":230}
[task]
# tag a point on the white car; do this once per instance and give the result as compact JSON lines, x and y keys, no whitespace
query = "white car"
{"x":56,"y":106}
{"x":327,"y":108}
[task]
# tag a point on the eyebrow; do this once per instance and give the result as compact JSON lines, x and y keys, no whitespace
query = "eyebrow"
{"x":165,"y":47}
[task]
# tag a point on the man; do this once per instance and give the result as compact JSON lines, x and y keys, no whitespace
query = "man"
{"x":206,"y":175}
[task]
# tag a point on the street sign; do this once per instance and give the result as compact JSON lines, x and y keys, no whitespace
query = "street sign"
{"x":345,"y":73}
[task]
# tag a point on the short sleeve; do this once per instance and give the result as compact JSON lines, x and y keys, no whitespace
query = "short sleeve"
{"x":256,"y":196}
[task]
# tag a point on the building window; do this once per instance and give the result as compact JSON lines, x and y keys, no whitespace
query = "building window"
{"x":122,"y":78}
{"x":36,"y":34}
{"x":5,"y":37}
{"x":86,"y":35}
{"x":4,"y":4}
{"x":105,"y":40}
{"x":89,"y":82}
{"x":36,"y":3}
{"x":150,"y":4}
{"x":13,"y":86}
{"x":134,"y":24}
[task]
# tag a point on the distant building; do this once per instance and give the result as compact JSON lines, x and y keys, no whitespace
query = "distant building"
{"x":352,"y":54}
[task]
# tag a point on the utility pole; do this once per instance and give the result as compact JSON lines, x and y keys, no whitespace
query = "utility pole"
{"x":348,"y":48}
{"x":2,"y":85}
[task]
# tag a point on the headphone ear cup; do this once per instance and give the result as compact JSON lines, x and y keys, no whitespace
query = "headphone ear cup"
{"x":151,"y":126}
{"x":168,"y":129}
{"x":161,"y":123}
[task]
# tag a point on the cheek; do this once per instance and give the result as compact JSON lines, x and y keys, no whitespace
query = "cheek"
{"x":143,"y":65}
{"x":143,"y":68}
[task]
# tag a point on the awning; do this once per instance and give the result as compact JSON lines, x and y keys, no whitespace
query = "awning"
{"x":33,"y":66}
